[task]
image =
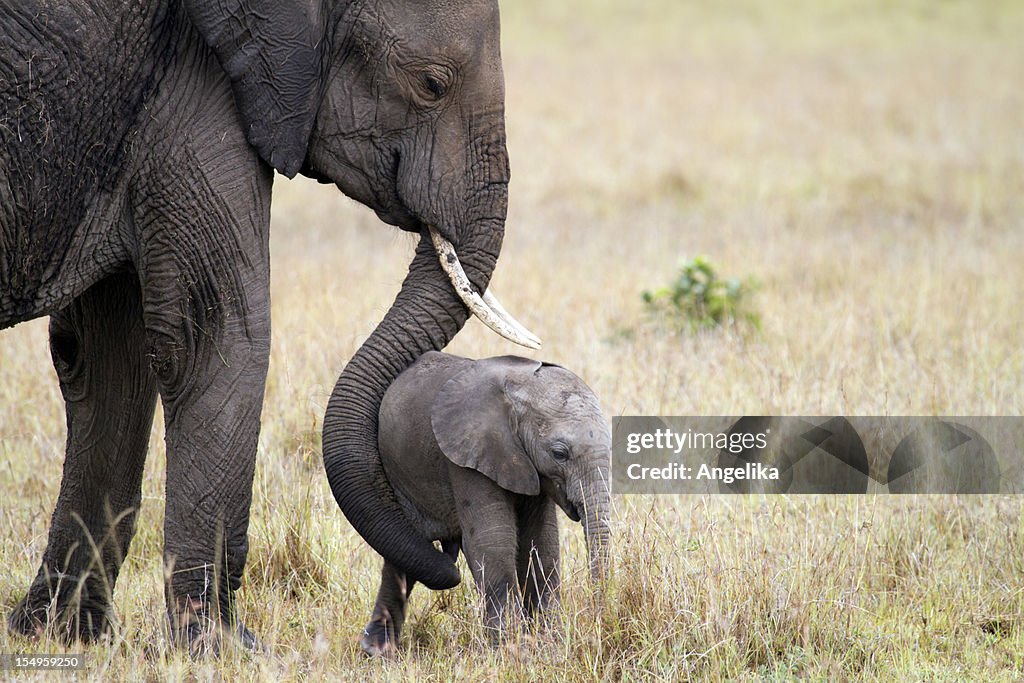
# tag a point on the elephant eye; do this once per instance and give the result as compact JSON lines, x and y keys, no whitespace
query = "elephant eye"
{"x":560,"y":452}
{"x":436,"y":88}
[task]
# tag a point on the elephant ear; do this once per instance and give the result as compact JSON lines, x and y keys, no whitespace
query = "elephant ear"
{"x":474,"y":422}
{"x":270,"y":51}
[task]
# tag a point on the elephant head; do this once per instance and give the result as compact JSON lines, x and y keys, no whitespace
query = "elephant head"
{"x":400,"y":103}
{"x":532,"y":428}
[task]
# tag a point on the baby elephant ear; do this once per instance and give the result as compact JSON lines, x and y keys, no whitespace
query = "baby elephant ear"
{"x":270,"y":51}
{"x":474,"y":425}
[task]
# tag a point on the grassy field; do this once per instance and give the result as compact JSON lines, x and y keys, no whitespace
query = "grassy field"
{"x":864,"y":161}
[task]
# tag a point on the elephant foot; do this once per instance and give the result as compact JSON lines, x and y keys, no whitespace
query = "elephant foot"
{"x":379,"y":638}
{"x":64,"y":614}
{"x":202,"y":636}
{"x":214,"y":640}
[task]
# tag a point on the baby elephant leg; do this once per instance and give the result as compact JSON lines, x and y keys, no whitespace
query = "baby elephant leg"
{"x":380,"y":637}
{"x":489,"y":540}
{"x":538,"y":558}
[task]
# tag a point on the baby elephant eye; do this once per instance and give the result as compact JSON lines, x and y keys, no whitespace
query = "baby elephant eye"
{"x":560,"y":452}
{"x":435,"y":87}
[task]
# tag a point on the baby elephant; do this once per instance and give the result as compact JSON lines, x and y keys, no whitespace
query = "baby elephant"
{"x":478,"y":454}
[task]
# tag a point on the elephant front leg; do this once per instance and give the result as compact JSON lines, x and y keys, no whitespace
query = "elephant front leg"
{"x":209,"y":347}
{"x":212,"y":386}
{"x":202,"y":229}
{"x":538,"y":559}
{"x":488,"y":519}
{"x":110,"y":396}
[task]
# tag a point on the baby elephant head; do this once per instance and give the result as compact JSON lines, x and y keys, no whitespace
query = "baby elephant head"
{"x":532,"y":428}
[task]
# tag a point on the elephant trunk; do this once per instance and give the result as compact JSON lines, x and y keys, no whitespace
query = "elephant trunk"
{"x":426,"y":315}
{"x":595,"y":506}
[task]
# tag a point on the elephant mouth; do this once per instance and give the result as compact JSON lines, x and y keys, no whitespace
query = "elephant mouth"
{"x":572,"y":511}
{"x":389,"y":206}
{"x":397,"y":215}
{"x":486,"y":307}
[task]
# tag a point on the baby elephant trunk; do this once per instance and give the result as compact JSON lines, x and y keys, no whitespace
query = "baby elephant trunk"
{"x":595,"y":509}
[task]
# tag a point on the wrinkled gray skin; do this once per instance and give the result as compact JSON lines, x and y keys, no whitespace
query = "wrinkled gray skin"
{"x":479,"y":454}
{"x":137,"y":148}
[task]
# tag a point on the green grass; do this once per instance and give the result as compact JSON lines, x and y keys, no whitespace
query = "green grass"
{"x":864,"y":161}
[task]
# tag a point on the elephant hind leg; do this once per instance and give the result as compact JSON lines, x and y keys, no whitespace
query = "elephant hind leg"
{"x":110,"y":395}
{"x":381,"y":635}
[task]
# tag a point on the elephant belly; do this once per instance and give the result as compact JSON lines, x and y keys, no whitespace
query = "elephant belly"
{"x":43,"y":269}
{"x":436,"y":527}
{"x":425,"y":494}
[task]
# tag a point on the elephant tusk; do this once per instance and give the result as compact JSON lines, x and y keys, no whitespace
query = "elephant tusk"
{"x":498,"y":320}
{"x":492,"y":302}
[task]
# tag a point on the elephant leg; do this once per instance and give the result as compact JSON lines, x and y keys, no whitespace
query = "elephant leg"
{"x":488,"y":518}
{"x":538,"y":557}
{"x":204,"y":263}
{"x":211,"y":365}
{"x":110,"y":395}
{"x":381,"y":636}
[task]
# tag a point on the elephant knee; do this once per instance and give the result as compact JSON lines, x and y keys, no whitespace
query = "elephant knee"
{"x":169,"y":358}
{"x":67,"y":342}
{"x":65,"y":350}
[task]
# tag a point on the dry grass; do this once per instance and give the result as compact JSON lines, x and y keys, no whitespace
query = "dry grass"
{"x":864,"y":161}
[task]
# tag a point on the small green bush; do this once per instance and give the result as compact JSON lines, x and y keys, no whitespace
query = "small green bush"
{"x":699,"y":299}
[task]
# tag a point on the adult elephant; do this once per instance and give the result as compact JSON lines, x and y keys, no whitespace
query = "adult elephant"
{"x":138,"y":147}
